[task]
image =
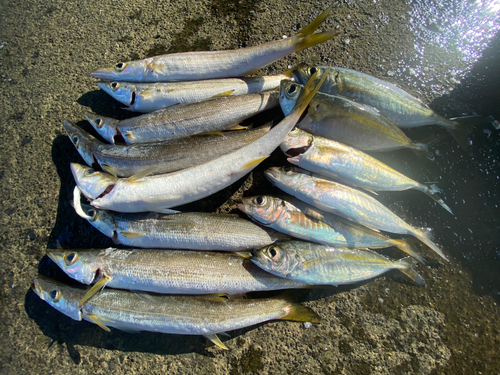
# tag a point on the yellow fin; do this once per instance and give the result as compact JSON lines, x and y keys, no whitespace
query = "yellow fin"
{"x":314,"y":40}
{"x":129,"y":135}
{"x":152,"y":66}
{"x":223,"y":94}
{"x":289,"y":72}
{"x":97,"y":321}
{"x":299,"y":313}
{"x":132,"y":234}
{"x":140,"y":175}
{"x":243,"y":254}
{"x":254,"y":162}
{"x":238,"y":127}
{"x":310,"y":89}
{"x":95,"y":288}
{"x":309,"y":29}
{"x":213,"y":337}
{"x":108,"y":169}
{"x":210,"y":133}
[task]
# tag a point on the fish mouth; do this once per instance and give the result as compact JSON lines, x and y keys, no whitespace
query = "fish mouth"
{"x":241,"y":207}
{"x":296,"y":151}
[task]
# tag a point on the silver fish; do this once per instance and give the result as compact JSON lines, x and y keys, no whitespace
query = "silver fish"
{"x":158,"y":157}
{"x":189,"y":66}
{"x":184,"y":315}
{"x":344,"y":201}
{"x":161,"y":192}
{"x":326,"y":265}
{"x":149,"y":97}
{"x":184,"y":120}
{"x":340,"y":162}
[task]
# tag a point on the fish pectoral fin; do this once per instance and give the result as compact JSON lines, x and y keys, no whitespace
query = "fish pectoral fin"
{"x":223,"y":94}
{"x":153,"y":67}
{"x":370,"y":191}
{"x":95,"y":288}
{"x":167,"y":211}
{"x":98,"y":321}
{"x":132,"y":234}
{"x":140,"y":175}
{"x":213,"y":337}
{"x":128,"y":135}
{"x":108,"y":169}
{"x":253,"y":163}
{"x":238,"y":127}
{"x":243,"y":254}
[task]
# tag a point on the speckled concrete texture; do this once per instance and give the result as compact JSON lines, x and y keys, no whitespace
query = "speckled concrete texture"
{"x":387,"y":326}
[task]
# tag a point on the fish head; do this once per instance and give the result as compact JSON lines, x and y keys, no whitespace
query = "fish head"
{"x":92,"y":183}
{"x":83,"y":141}
{"x":60,"y":296}
{"x":296,"y":142}
{"x":289,"y":177}
{"x":124,"y":92}
{"x":289,"y":93}
{"x":100,"y":219}
{"x":105,"y":126}
{"x":130,"y":71}
{"x":81,"y":265}
{"x":278,"y":259}
{"x":262,"y":208}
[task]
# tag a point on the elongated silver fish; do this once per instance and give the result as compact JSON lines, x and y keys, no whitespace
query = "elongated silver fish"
{"x":191,"y":231}
{"x":344,"y":201}
{"x":398,"y":106}
{"x":184,"y":315}
{"x":340,"y":162}
{"x":298,"y":219}
{"x":189,"y":66}
{"x":158,"y":157}
{"x":343,"y":120}
{"x":326,"y":265}
{"x":168,"y":272}
{"x":149,"y":97}
{"x":184,"y":120}
{"x":161,"y":192}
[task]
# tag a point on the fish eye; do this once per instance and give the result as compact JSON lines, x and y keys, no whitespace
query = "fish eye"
{"x":75,"y":140}
{"x":294,"y":130}
{"x":114,"y":86}
{"x":274,"y":252}
{"x":70,"y":258}
{"x":260,"y":200}
{"x":99,"y":122}
{"x":287,"y":169}
{"x":312,"y":70}
{"x":120,"y":66}
{"x":90,"y":172}
{"x":292,"y":89}
{"x":55,"y":295}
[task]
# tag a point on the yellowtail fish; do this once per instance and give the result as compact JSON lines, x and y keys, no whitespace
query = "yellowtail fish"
{"x":398,"y":106}
{"x":344,"y":201}
{"x":184,"y":120}
{"x":340,"y":162}
{"x":346,"y":121}
{"x":190,"y":66}
{"x":326,"y":265}
{"x":159,"y":193}
{"x":167,"y":272}
{"x":299,"y":220}
{"x":149,"y":97}
{"x":183,"y":315}
{"x":158,"y":157}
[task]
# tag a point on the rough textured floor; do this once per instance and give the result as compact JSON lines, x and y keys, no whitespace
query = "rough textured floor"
{"x":388,"y":326}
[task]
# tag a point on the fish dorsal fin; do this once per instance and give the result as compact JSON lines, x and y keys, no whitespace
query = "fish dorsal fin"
{"x":213,"y":337}
{"x":98,"y":321}
{"x":95,"y":288}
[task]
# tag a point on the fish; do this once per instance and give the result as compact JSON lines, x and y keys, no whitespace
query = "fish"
{"x":344,"y":120}
{"x":173,"y":314}
{"x":149,"y":97}
{"x":191,"y":231}
{"x":167,"y":272}
{"x":158,"y":157}
{"x":184,"y":120}
{"x":326,"y":265}
{"x":190,"y":66}
{"x":299,"y":220}
{"x":344,"y":201}
{"x":159,"y":193}
{"x":398,"y":106}
{"x":347,"y":165}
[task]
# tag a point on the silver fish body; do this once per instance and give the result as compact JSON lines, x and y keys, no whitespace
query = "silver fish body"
{"x":326,"y":265}
{"x":340,"y":162}
{"x":158,"y":157}
{"x":184,"y":120}
{"x":149,"y":97}
{"x":189,"y":66}
{"x":168,"y":272}
{"x":341,"y":119}
{"x":344,"y":201}
{"x":187,"y":315}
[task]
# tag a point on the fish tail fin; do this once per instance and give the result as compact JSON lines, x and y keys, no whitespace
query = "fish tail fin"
{"x":460,"y":129}
{"x":405,"y":246}
{"x":306,"y":36}
{"x":432,"y":191}
{"x":311,"y":28}
{"x":408,"y":270}
{"x":299,"y":313}
{"x":426,"y":237}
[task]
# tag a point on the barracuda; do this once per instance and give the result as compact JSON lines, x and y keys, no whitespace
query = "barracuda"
{"x":325,"y":265}
{"x":344,"y":201}
{"x":184,"y":315}
{"x":189,"y":66}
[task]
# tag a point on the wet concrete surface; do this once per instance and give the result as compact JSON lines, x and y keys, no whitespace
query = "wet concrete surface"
{"x":447,"y":53}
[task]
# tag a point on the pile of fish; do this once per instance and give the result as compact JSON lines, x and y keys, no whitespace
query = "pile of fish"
{"x":189,"y":144}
